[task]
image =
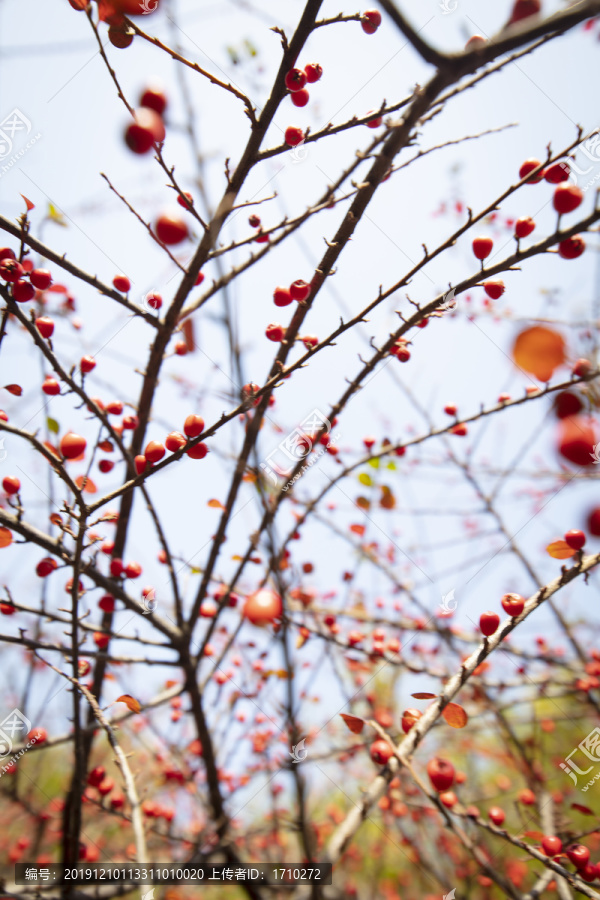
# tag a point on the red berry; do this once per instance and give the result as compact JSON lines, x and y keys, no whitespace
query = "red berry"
{"x":567,"y":404}
{"x":11,"y":270}
{"x":523,"y":9}
{"x":482,"y":247}
{"x":51,"y":386}
{"x":175,"y":441}
{"x":46,"y":566}
{"x":513,"y":604}
{"x":193,"y":426}
{"x":300,"y":290}
{"x":130,"y":422}
{"x":7,"y":609}
{"x":72,"y":445}
{"x":180,"y":348}
{"x":593,"y":522}
{"x":582,"y":368}
{"x":528,"y":166}
{"x":153,"y":97}
{"x":370,"y":21}
{"x":293,"y":137}
{"x":579,"y":855}
{"x":476,"y":41}
{"x":262,"y":607}
{"x":300,"y":98}
{"x":96,"y":776}
{"x":120,"y":36}
{"x":313,"y":72}
{"x":577,"y":438}
{"x":567,"y":197}
{"x":589,"y":873}
{"x":551,"y":845}
{"x":104,"y":788}
{"x":41,"y":279}
{"x":381,"y":752}
{"x":199,"y":279}
{"x":275,"y":332}
{"x":22,"y":291}
{"x":101,"y":640}
{"x":494,"y":289}
{"x":114,"y":408}
{"x":254,"y":220}
{"x":122,"y":283}
{"x":11,"y":484}
{"x":524,"y":227}
{"x":450,"y":409}
{"x":186,"y":200}
{"x":154,"y":300}
{"x":282,"y":296}
{"x":133,"y":570}
{"x":557,"y":172}
{"x":107,"y":603}
{"x":497,"y":815}
{"x":572,"y":247}
{"x":295,"y":80}
{"x":6,"y":253}
{"x":576,"y":541}
{"x":526,"y":797}
{"x":39,"y":735}
{"x":310,"y":341}
{"x":87,"y":363}
{"x":141,"y":464}
{"x":460,"y":429}
{"x":170,"y":229}
{"x":441,"y":773}
{"x":146,"y":129}
{"x":376,"y":121}
{"x":154,"y":452}
{"x":409,"y":718}
{"x":198,"y":451}
{"x":488,"y":623}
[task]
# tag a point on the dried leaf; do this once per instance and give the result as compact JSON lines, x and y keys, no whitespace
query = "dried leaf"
{"x":423,"y":695}
{"x":249,"y":476}
{"x":539,"y":350}
{"x":188,"y":334}
{"x":387,"y":501}
{"x":5,"y":537}
{"x":455,"y":715}
{"x":355,"y":724}
{"x":53,"y":425}
{"x":582,"y":809}
{"x":301,"y":640}
{"x":56,"y":519}
{"x":15,"y":389}
{"x":130,"y":702}
{"x":28,"y":203}
{"x":357,"y":529}
{"x":363,"y":503}
{"x":535,"y":835}
{"x":560,"y":550}
{"x":85,"y":484}
{"x":215,"y":504}
{"x":106,"y":446}
{"x":58,"y":289}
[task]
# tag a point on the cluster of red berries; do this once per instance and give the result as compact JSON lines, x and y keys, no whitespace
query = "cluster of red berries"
{"x":298,"y":290}
{"x":295,"y":81}
{"x":512,"y":604}
{"x":567,"y":197}
{"x":148,"y":126}
{"x":155,"y":451}
{"x":22,"y":276}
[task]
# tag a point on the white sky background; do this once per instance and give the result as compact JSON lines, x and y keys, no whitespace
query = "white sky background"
{"x":50,"y":69}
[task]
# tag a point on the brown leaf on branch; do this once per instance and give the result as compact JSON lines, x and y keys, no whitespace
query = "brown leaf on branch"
{"x":355,"y":724}
{"x":15,"y":389}
{"x":130,"y":702}
{"x":455,"y":715}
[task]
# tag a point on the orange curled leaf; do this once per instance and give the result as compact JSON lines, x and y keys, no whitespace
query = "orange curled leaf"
{"x":15,"y":389}
{"x":5,"y":537}
{"x":86,"y":484}
{"x":539,"y":350}
{"x":535,"y":835}
{"x":422,"y":695}
{"x":355,"y":724}
{"x":560,"y":550}
{"x":215,"y":504}
{"x":106,"y":446}
{"x":455,"y":715}
{"x":130,"y":702}
{"x":357,"y":529}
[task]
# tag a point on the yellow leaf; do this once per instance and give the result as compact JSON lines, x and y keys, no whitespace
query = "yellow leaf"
{"x":365,"y":479}
{"x":130,"y":702}
{"x":56,"y":216}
